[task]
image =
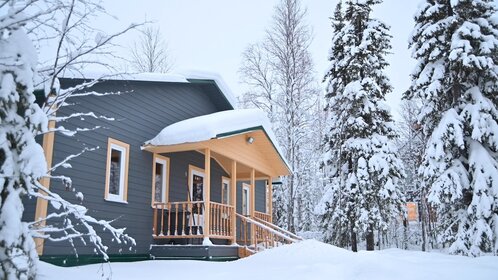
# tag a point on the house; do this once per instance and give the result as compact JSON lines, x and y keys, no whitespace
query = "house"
{"x":172,"y":161}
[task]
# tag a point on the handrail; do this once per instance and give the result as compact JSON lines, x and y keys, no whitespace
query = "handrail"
{"x":261,"y":232}
{"x":297,"y":237}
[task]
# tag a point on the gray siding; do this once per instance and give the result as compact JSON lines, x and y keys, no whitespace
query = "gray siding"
{"x":178,"y":181}
{"x":140,"y":112}
{"x":260,"y":202}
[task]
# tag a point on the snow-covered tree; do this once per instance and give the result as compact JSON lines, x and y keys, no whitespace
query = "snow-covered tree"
{"x":360,"y":156}
{"x":22,"y":162}
{"x":279,"y":73}
{"x":21,"y":159}
{"x":456,"y":78}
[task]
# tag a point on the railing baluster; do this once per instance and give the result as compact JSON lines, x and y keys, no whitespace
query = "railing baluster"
{"x":162,"y":219}
{"x":176,"y":219}
{"x":183,"y":219}
{"x":168,"y":232}
{"x":154,"y":227}
{"x":198,"y":217}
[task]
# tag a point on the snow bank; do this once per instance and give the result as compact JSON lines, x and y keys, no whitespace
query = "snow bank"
{"x":305,"y":260}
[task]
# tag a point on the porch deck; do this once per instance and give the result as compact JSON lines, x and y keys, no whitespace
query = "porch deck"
{"x":195,"y":252}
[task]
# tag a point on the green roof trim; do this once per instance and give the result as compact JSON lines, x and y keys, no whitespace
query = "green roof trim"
{"x":254,"y":128}
{"x":211,"y":82}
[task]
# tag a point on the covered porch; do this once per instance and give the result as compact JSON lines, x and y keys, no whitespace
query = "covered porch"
{"x":241,"y":143}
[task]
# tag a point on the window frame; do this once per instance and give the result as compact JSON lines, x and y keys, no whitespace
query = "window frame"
{"x":228,"y":182}
{"x":124,"y":148}
{"x":165,"y":161}
{"x":247,"y":187}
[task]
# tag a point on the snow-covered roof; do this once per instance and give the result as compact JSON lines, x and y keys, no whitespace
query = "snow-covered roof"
{"x":216,"y":126}
{"x":183,"y":76}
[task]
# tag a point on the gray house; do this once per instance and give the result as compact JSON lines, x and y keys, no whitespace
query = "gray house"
{"x":172,"y":161}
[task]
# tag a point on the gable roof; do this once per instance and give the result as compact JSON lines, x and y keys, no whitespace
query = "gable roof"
{"x":213,"y":81}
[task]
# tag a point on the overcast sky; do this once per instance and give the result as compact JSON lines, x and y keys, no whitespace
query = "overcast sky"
{"x":211,"y":35}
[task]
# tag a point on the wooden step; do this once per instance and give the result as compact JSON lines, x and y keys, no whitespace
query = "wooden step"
{"x":245,"y":252}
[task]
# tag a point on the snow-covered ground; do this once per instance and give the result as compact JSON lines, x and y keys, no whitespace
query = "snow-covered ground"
{"x":306,"y":260}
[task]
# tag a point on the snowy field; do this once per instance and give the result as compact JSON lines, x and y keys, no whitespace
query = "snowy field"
{"x":306,"y":260}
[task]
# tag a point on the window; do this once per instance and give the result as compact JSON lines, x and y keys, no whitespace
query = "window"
{"x":160,"y":179}
{"x":116,"y":181}
{"x":225,"y":190}
{"x":245,"y":199}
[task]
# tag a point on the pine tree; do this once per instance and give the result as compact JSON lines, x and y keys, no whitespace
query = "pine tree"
{"x":456,"y":45}
{"x":22,"y":161}
{"x":360,"y":156}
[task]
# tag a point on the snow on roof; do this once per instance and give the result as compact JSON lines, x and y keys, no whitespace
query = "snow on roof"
{"x":181,"y":77}
{"x":216,"y":125}
{"x":206,"y":75}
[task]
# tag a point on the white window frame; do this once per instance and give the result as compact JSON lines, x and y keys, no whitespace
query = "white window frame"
{"x":123,"y":171}
{"x":193,"y":170}
{"x":248,"y":199}
{"x":164,"y":161}
{"x":225,"y":180}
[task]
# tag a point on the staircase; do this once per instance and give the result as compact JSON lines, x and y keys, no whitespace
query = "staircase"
{"x":257,"y":234}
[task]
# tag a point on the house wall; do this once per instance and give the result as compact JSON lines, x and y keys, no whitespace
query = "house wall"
{"x":260,"y":203}
{"x":178,"y":180}
{"x":139,"y":112}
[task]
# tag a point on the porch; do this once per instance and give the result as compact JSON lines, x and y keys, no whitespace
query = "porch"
{"x":242,"y":144}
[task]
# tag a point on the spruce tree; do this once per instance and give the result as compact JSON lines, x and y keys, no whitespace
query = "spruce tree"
{"x":456,"y":45}
{"x":360,"y":158}
{"x":21,"y":158}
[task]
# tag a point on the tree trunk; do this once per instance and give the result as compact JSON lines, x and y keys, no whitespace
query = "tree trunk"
{"x":370,"y":238}
{"x":354,"y":245}
{"x":423,"y":219}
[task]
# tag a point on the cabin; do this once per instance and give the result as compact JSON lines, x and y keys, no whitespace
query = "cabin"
{"x":169,"y":158}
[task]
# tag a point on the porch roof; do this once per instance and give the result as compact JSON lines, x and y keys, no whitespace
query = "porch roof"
{"x":226,"y":134}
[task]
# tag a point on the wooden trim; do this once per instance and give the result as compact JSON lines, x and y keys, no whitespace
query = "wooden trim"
{"x":207,"y":191}
{"x":166,"y":188}
{"x":126,"y":147}
{"x":229,"y":181}
{"x":233,"y":199}
{"x":261,"y":154}
{"x":42,"y":204}
{"x":189,"y":183}
{"x":270,"y":199}
{"x":247,"y":187}
{"x":252,"y":203}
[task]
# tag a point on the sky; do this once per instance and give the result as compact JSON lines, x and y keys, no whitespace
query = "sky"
{"x":211,"y":35}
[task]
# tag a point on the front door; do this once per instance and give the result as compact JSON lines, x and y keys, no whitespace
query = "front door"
{"x":196,"y":189}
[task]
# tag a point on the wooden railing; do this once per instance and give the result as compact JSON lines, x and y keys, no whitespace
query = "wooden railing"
{"x":221,"y":220}
{"x":258,"y":235}
{"x":178,"y":219}
{"x":262,"y":216}
{"x":279,"y":229}
{"x":186,"y":220}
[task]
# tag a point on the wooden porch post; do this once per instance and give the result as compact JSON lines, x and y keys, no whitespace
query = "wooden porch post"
{"x":233,"y":200}
{"x":207,"y":192}
{"x":270,"y":198}
{"x":252,"y":205}
{"x":42,"y":204}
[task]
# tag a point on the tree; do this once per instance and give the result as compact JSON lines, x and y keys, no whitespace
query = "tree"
{"x":279,"y":72}
{"x":22,"y":162}
{"x":456,"y":45}
{"x":150,"y":52}
{"x":362,"y":166}
{"x":21,"y":158}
